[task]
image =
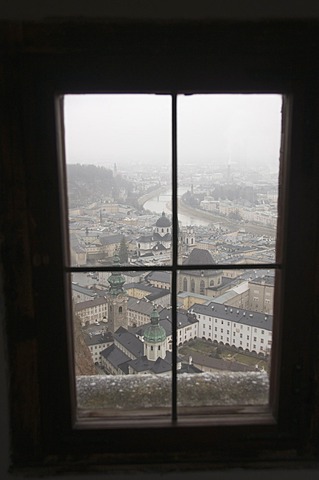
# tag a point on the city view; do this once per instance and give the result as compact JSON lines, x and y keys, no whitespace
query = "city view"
{"x":119,"y":193}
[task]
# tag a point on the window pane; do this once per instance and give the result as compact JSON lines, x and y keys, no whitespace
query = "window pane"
{"x":118,"y":155}
{"x":228,"y":169}
{"x":122,"y":342}
{"x":224,"y":331}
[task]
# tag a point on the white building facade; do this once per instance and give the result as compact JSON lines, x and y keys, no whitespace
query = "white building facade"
{"x":243,"y":329}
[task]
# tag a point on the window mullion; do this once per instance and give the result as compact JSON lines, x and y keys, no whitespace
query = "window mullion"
{"x":174,"y":259}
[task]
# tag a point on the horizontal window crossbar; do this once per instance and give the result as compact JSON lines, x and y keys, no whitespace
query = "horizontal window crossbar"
{"x":135,"y":268}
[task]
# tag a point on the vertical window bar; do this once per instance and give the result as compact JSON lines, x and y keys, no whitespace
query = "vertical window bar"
{"x":175,"y":253}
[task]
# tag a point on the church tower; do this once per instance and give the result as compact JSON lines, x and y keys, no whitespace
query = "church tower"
{"x":189,"y":236}
{"x":116,"y":300}
{"x":155,"y":342}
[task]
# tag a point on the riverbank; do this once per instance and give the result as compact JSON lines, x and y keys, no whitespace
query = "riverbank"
{"x":184,"y":208}
{"x":148,"y":196}
{"x":192,"y":216}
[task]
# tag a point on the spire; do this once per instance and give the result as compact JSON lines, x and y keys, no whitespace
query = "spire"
{"x":154,"y":316}
{"x":116,"y":279}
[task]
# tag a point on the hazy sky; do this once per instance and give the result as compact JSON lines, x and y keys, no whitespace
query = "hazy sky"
{"x":136,"y":129}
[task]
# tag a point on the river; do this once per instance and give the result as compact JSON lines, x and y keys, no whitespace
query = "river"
{"x":162,"y":203}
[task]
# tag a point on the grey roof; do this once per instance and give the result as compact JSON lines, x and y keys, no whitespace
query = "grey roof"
{"x":154,"y":237}
{"x":159,"y":293}
{"x":85,"y":291}
{"x":140,"y":306}
{"x":116,"y":357}
{"x":165,"y":238}
{"x":94,"y":302}
{"x":266,"y":280}
{"x":186,"y":368}
{"x":161,"y":366}
{"x":140,"y":286}
{"x":183,"y":320}
{"x":91,"y":339}
{"x":199,"y":256}
{"x":145,"y":238}
{"x":163,"y":221}
{"x":238,"y":315}
{"x":129,"y":341}
{"x":219,"y":364}
{"x":160,"y":276}
{"x":152,"y":292}
{"x":142,"y":364}
{"x":111,"y":239}
{"x":159,"y":246}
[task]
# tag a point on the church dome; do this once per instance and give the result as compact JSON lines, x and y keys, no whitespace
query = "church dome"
{"x":163,"y":221}
{"x":154,"y":333}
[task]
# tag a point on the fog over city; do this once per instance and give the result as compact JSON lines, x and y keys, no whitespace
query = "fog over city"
{"x":242,"y":130}
{"x":228,"y":164}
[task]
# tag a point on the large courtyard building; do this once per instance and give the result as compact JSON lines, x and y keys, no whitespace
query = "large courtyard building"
{"x":244,"y":329}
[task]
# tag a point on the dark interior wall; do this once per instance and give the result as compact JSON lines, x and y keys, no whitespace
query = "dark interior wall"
{"x":152,"y":9}
{"x":165,"y":9}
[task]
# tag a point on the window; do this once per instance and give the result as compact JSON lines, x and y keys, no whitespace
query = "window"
{"x":176,"y":109}
{"x":37,"y":80}
{"x":185,"y":284}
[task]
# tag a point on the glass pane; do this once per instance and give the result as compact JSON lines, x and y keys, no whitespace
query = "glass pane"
{"x":228,"y":170}
{"x":122,"y":342}
{"x":224,"y":336}
{"x":118,"y":155}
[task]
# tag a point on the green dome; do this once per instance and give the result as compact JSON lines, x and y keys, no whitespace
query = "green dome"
{"x":154,"y":333}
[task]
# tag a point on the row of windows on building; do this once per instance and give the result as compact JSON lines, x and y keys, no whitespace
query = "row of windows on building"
{"x":202,"y":285}
{"x":239,"y":335}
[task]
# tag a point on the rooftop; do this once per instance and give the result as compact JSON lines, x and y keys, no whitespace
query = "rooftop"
{"x":199,"y":256}
{"x":234,"y":314}
{"x":163,"y":221}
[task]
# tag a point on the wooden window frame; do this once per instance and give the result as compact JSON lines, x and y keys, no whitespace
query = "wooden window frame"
{"x":46,"y":60}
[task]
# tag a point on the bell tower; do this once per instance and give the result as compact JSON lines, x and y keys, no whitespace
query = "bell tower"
{"x":116,"y":300}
